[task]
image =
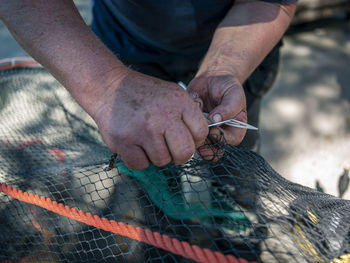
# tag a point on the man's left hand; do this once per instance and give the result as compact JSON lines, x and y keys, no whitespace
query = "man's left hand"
{"x":222,"y":96}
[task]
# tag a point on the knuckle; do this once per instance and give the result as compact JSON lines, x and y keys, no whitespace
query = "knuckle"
{"x":149,"y":127}
{"x":152,"y":130}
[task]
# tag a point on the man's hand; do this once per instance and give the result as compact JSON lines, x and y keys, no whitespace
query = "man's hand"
{"x":222,"y":96}
{"x":144,"y":119}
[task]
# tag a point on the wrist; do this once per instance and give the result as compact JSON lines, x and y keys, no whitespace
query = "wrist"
{"x":94,"y":90}
{"x":221,"y":60}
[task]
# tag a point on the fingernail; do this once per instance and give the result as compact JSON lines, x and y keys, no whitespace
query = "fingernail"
{"x":217,"y":118}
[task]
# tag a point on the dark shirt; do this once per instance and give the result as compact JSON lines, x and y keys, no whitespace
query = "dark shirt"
{"x":159,"y":31}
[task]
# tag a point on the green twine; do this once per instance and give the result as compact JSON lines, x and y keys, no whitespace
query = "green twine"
{"x":155,"y":183}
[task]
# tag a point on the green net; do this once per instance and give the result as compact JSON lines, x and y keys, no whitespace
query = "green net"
{"x":237,"y":209}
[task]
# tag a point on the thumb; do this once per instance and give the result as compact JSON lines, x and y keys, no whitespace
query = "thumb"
{"x":232,"y":103}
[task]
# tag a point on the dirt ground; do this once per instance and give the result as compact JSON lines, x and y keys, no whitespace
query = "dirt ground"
{"x":305,"y":119}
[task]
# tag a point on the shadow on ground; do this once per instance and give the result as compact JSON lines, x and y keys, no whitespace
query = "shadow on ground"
{"x":306,"y":117}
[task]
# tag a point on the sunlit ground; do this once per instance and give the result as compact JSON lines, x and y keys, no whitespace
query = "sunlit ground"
{"x":305,"y":120}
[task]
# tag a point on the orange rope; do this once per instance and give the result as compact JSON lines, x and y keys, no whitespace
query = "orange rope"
{"x":165,"y":242}
{"x":19,"y":64}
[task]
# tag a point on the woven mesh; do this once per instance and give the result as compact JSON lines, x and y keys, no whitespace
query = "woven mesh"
{"x":237,"y":209}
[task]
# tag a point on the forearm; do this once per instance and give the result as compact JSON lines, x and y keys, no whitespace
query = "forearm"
{"x":246,"y":35}
{"x":54,"y":33}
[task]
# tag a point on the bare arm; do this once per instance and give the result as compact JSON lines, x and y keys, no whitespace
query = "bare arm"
{"x":54,"y":33}
{"x":243,"y":39}
{"x":247,"y":34}
{"x":141,"y":118}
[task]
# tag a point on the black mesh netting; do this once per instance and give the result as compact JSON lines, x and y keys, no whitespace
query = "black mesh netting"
{"x":238,"y":206}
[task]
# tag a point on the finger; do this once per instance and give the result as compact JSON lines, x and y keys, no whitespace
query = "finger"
{"x":194,"y":95}
{"x":157,"y":151}
{"x":135,"y":158}
{"x":196,"y":123}
{"x":180,"y":142}
{"x":232,"y":103}
{"x":212,"y":148}
{"x":232,"y":135}
{"x":235,"y":135}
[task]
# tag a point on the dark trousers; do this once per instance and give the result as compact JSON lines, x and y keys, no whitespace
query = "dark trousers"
{"x":260,"y":81}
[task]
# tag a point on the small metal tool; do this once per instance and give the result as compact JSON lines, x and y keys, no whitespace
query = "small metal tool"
{"x":233,"y":123}
{"x":230,"y":122}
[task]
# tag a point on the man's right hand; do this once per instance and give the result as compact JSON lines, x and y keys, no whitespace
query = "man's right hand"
{"x":144,"y":119}
{"x":141,"y":118}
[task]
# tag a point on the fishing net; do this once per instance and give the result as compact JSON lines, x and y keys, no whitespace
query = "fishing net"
{"x":63,"y":199}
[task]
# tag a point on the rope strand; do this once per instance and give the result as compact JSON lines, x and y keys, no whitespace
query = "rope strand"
{"x":164,"y":242}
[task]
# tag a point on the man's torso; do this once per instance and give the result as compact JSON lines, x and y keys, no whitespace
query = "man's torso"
{"x":146,"y":30}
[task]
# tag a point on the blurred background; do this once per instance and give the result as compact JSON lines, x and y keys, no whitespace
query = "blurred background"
{"x":305,"y":118}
